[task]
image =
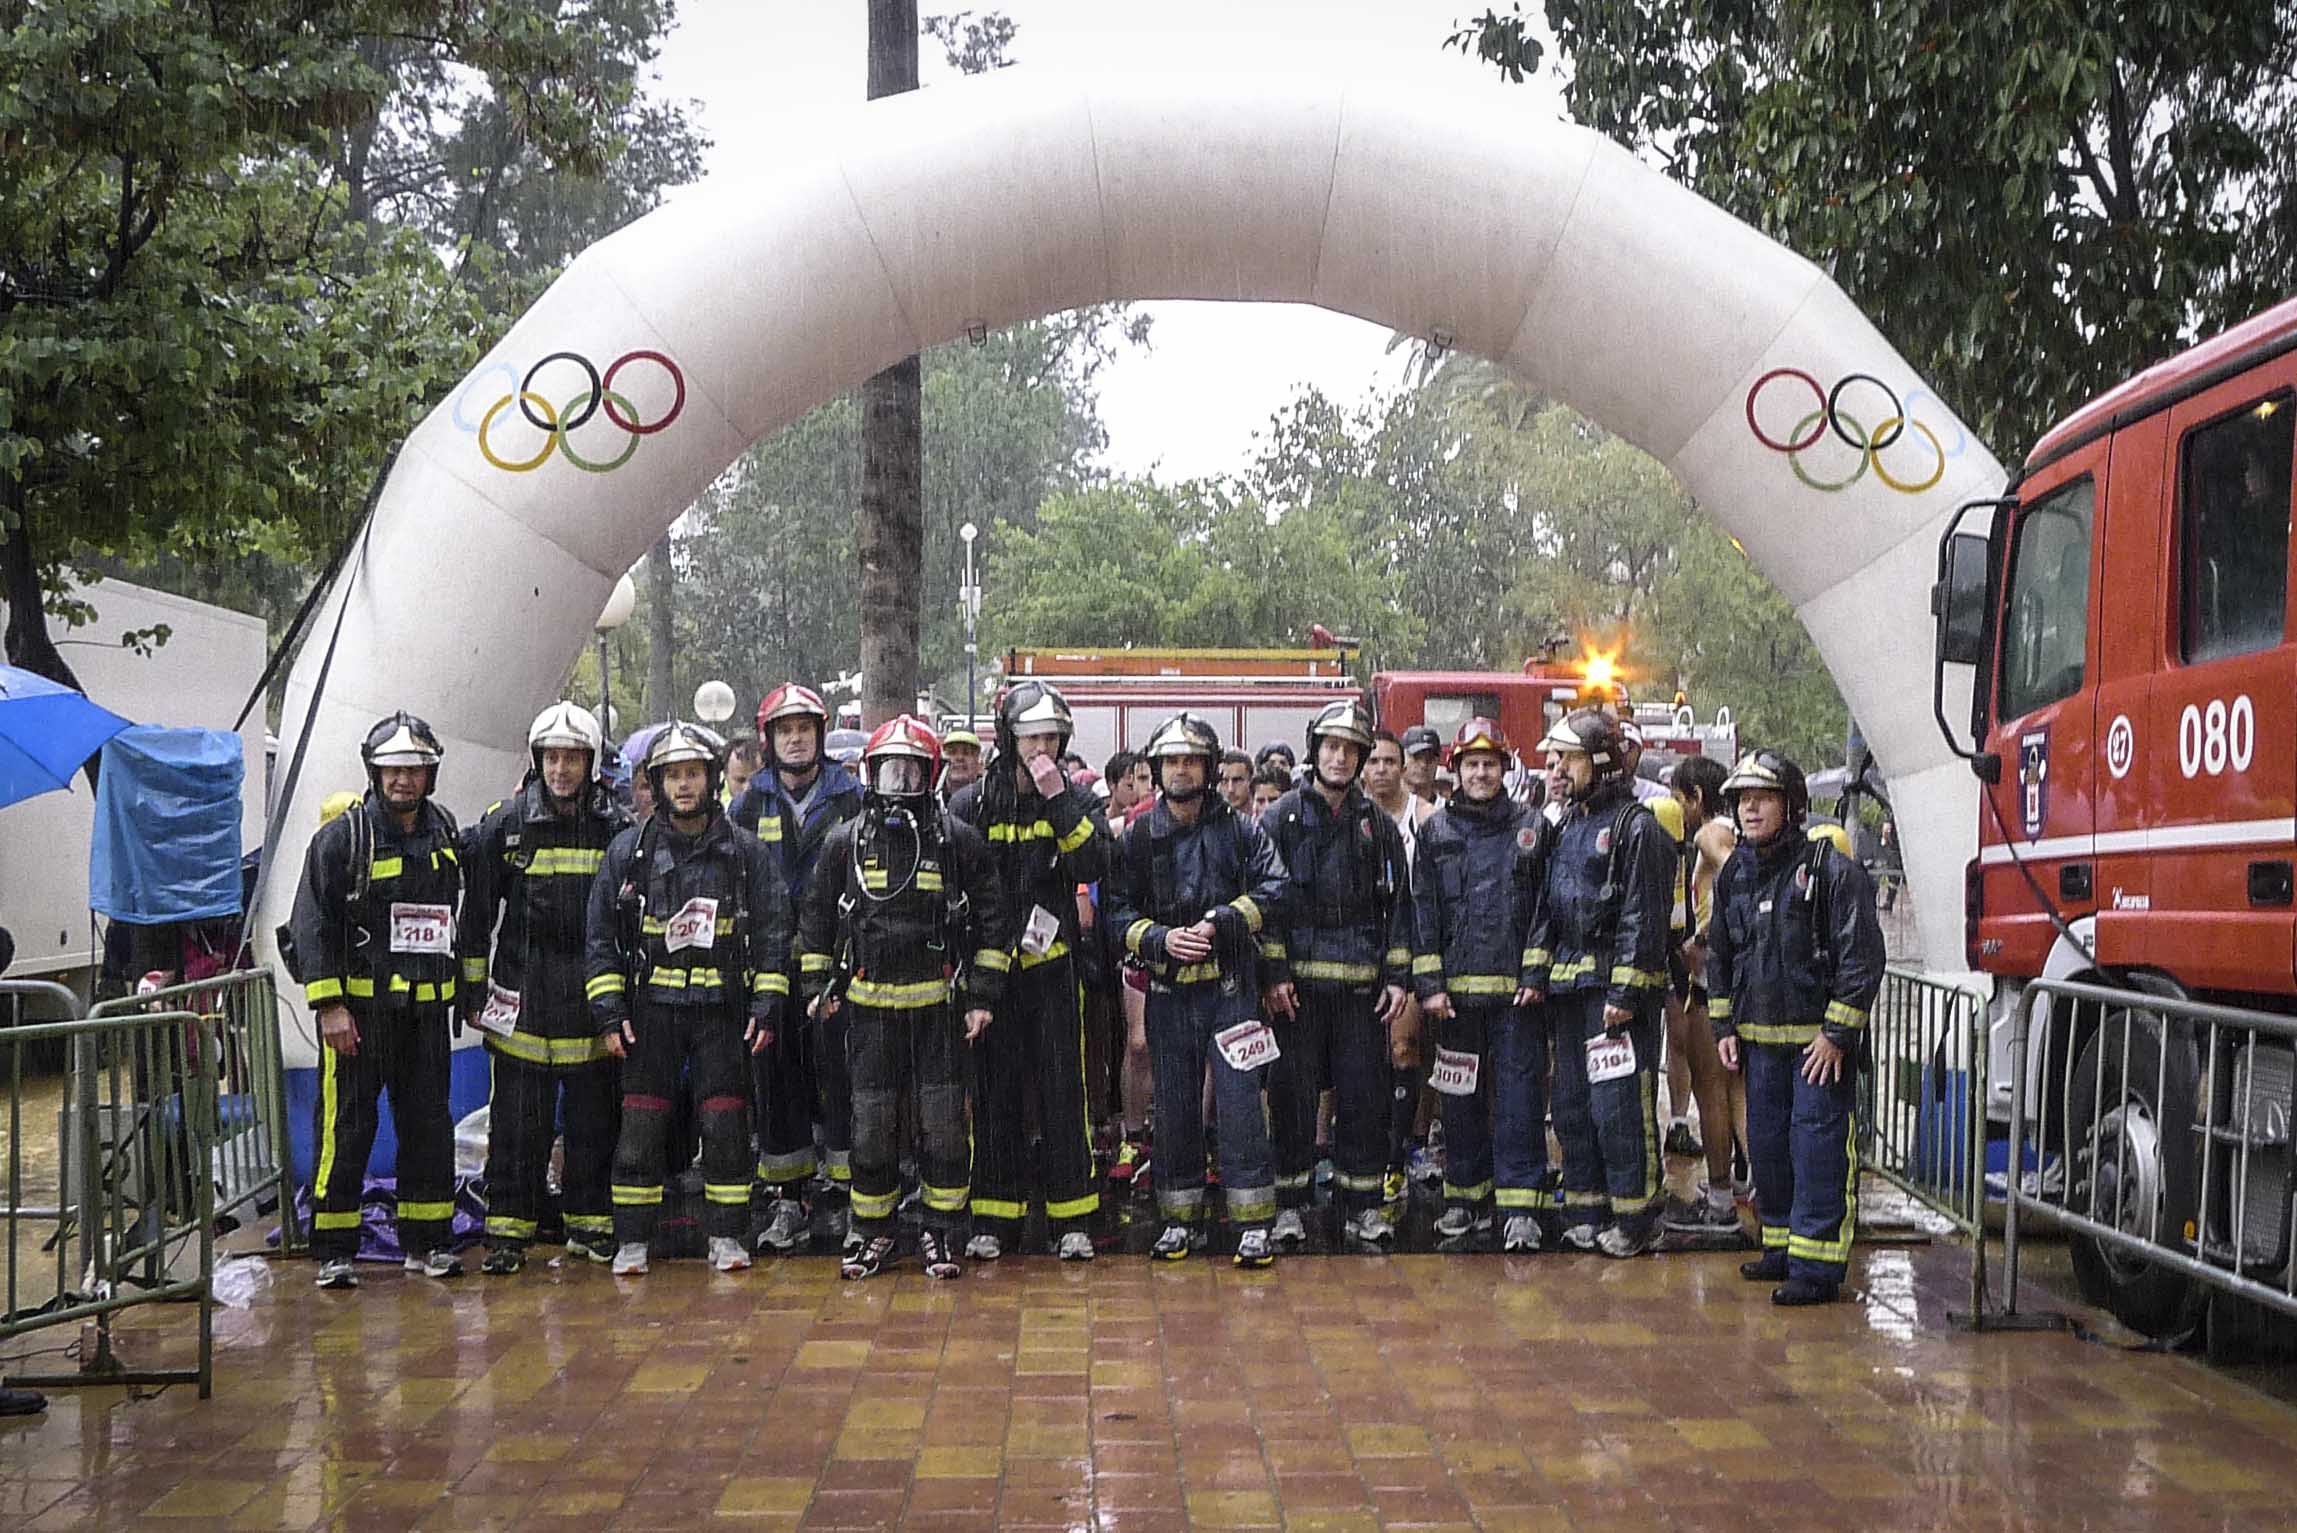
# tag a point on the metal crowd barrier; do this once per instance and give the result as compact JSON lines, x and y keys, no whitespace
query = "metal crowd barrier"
{"x":133,"y":1210}
{"x":251,"y":1147}
{"x":2237,"y":1238}
{"x":1922,"y":1113}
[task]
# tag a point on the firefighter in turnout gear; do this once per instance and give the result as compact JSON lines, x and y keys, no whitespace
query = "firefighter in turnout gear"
{"x":792,"y":806}
{"x":1193,"y":884}
{"x":905,"y":926}
{"x":1335,"y":965}
{"x":1794,"y":960}
{"x":688,"y":963}
{"x":1597,"y":954}
{"x":530,"y":862}
{"x":1045,"y":839}
{"x":1474,"y":883}
{"x":373,"y":939}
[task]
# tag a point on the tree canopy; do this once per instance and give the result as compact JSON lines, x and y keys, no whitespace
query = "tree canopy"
{"x":243,"y":248}
{"x":2034,"y":201}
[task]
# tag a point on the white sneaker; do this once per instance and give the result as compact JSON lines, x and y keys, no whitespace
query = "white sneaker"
{"x":1253,"y":1250}
{"x":727,"y":1255}
{"x":630,"y":1260}
{"x":1521,"y":1233}
{"x":338,"y":1274}
{"x":1580,"y":1237}
{"x":785,"y":1227}
{"x":1370,"y":1226}
{"x":984,"y":1247}
{"x":1616,"y":1243}
{"x":1076,"y":1246}
{"x":435,"y":1264}
{"x":1290,"y":1229}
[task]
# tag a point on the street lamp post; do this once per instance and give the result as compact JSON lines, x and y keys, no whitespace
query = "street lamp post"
{"x":969,"y":596}
{"x":613,"y":615}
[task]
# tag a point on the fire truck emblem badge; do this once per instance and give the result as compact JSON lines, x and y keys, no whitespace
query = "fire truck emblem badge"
{"x":1525,"y":838}
{"x":2121,"y":746}
{"x":2033,"y":780}
{"x":1603,"y":842}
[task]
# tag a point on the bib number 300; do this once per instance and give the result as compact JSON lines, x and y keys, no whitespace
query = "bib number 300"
{"x":2217,"y":736}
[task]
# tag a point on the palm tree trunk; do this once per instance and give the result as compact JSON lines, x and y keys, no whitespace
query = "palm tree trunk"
{"x":892,"y":531}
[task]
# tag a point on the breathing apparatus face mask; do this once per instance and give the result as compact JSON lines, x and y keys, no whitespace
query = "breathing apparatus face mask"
{"x":897,"y":777}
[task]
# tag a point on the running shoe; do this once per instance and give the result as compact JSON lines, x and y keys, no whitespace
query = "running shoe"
{"x":1370,"y":1227}
{"x":728,"y":1255}
{"x":434,"y":1264}
{"x":785,"y":1227}
{"x":338,"y":1274}
{"x":1174,"y":1243}
{"x":504,"y":1261}
{"x":1290,"y":1229}
{"x":1075,"y":1246}
{"x":630,"y":1260}
{"x":872,"y":1255}
{"x":938,"y":1251}
{"x":1519,"y":1234}
{"x":985,"y":1247}
{"x":1253,"y":1249}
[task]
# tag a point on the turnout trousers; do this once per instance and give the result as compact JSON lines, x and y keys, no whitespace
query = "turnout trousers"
{"x":1033,"y":1052}
{"x":1181,"y":1023}
{"x":1495,"y":1137}
{"x":1609,"y":1129}
{"x":704,"y":1045}
{"x":528,"y":1106}
{"x":402,"y":1050}
{"x":920,"y":1050}
{"x":1334,"y":1040}
{"x":1803,"y":1151}
{"x":833,"y":1094}
{"x":782,"y":1097}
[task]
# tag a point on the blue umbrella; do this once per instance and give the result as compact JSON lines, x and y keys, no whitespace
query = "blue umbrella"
{"x":46,"y":732}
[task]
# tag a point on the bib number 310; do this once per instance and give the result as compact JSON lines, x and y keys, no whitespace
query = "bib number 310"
{"x":2218,"y":736}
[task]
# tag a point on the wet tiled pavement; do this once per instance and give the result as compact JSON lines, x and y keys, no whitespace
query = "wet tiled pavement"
{"x":1331,"y":1393}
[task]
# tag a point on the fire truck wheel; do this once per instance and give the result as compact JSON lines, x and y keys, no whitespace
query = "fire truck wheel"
{"x":2135,"y":1153}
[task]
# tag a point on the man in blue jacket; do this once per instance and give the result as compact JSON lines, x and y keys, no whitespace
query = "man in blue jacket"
{"x":1473,"y":884}
{"x":1794,"y":960}
{"x":791,"y":807}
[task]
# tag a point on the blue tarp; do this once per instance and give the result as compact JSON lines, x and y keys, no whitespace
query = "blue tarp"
{"x":166,"y":846}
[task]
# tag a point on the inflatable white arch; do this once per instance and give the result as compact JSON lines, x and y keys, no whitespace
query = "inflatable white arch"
{"x":669,"y":348}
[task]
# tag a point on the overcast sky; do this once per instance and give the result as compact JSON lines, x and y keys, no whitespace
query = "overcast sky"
{"x":1191,"y":406}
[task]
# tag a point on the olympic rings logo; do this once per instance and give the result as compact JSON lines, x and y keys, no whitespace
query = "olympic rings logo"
{"x":559,"y":422}
{"x":1828,"y":426}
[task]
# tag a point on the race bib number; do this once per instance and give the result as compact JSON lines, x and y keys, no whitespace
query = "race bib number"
{"x":1041,"y":932}
{"x":1247,"y":1045}
{"x":423,"y":929}
{"x":1455,"y":1074}
{"x":500,"y":1014}
{"x":1609,"y":1058}
{"x":694,"y":926}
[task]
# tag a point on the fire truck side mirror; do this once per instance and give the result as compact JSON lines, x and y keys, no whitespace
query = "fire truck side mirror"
{"x":1959,"y":600}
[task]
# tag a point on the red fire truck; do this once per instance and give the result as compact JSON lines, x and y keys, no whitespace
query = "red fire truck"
{"x":1255,"y":696}
{"x":2133,"y":724}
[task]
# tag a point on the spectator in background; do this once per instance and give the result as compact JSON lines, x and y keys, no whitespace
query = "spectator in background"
{"x":742,"y":763}
{"x":1127,"y":774}
{"x":961,"y":760}
{"x":1422,"y":749}
{"x":1236,"y":780}
{"x":1269,"y":784}
{"x":1412,"y":1106}
{"x":1276,"y":752}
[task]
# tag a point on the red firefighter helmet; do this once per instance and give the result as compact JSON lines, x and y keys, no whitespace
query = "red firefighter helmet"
{"x":904,"y":738}
{"x":1477,"y":734}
